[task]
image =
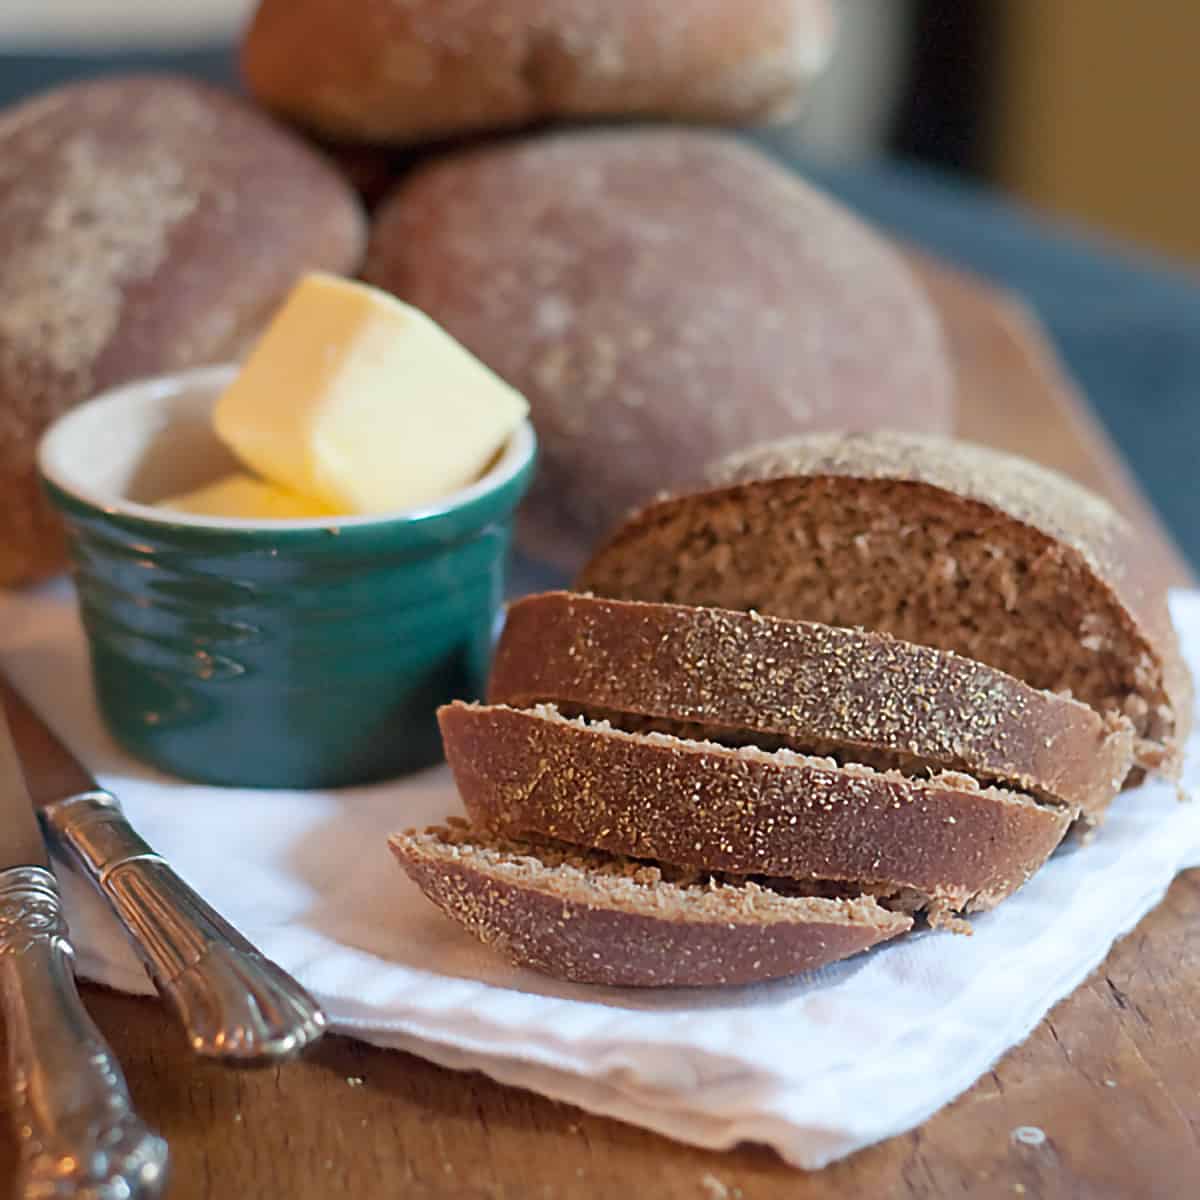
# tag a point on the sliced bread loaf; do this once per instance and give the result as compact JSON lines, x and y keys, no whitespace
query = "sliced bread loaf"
{"x":742,"y":678}
{"x":944,"y":843}
{"x":935,"y":541}
{"x":595,"y":918}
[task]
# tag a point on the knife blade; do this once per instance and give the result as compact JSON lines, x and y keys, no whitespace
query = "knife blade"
{"x":21,"y":843}
{"x":78,"y":1131}
{"x":235,"y":1004}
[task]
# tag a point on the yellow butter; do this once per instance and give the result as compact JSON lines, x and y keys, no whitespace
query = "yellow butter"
{"x":243,"y":496}
{"x":363,"y":402}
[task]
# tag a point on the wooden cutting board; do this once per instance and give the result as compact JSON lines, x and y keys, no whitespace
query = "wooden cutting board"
{"x":1112,"y":1076}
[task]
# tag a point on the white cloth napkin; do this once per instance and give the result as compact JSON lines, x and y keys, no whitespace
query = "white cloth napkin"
{"x":816,"y":1067}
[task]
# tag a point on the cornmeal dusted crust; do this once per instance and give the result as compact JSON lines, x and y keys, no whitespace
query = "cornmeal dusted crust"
{"x":593,"y":918}
{"x":390,"y":71}
{"x":867,"y":696}
{"x":937,"y":541}
{"x":698,"y":805}
{"x":147,"y":223}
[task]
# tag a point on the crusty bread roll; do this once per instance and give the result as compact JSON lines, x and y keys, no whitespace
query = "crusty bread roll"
{"x":932,"y":540}
{"x":597,"y":918}
{"x":743,"y":678}
{"x":663,"y":297}
{"x":146,"y":224}
{"x":382,"y":71}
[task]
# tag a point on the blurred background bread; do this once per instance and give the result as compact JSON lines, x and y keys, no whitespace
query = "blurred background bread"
{"x":147,"y":223}
{"x":662,"y":296}
{"x":381,"y":71}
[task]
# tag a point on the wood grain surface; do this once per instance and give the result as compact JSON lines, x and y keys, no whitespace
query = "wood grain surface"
{"x":1112,"y":1076}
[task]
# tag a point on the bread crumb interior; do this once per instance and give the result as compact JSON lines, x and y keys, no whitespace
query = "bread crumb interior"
{"x":897,"y":559}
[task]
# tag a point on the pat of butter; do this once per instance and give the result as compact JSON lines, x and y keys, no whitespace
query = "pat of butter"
{"x":364,"y":403}
{"x":243,"y":496}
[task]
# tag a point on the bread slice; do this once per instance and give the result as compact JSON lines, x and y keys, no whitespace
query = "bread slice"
{"x":943,"y":844}
{"x":595,"y":918}
{"x":934,"y":541}
{"x":741,"y":678}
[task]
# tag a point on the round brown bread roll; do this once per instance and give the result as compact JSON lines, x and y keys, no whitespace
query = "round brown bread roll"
{"x":146,"y":224}
{"x":386,"y":71}
{"x":663,"y":297}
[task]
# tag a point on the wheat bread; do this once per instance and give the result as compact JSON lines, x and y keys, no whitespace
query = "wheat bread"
{"x":935,"y":541}
{"x":387,"y":72}
{"x":736,"y":677}
{"x":662,"y":297}
{"x":594,"y":918}
{"x":946,"y":842}
{"x":147,"y":223}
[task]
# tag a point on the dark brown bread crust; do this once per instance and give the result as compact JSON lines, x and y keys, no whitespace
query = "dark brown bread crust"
{"x":1058,"y":522}
{"x":382,"y":71}
{"x":649,"y":940}
{"x":704,"y":807}
{"x":572,"y":265}
{"x":146,"y":224}
{"x":809,"y":684}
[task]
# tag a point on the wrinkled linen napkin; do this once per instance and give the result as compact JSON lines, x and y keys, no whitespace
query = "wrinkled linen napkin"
{"x":816,"y":1067}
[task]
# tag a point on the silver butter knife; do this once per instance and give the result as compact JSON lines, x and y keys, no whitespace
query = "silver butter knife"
{"x":234,"y":1004}
{"x":78,"y":1131}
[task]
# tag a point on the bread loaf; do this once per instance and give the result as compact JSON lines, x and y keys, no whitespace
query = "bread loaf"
{"x":742,"y":678}
{"x":662,"y":297}
{"x":942,"y":843}
{"x":714,"y":711}
{"x":382,"y":71}
{"x":934,"y":541}
{"x":595,"y":918}
{"x":146,"y":224}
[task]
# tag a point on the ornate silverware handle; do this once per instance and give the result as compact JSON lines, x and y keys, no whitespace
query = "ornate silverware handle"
{"x":233,"y":1003}
{"x":79,"y":1134}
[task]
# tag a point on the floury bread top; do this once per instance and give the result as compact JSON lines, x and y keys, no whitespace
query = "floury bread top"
{"x":663,"y":297}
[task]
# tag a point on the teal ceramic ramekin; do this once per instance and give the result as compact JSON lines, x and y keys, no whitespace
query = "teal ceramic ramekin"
{"x":299,"y":653}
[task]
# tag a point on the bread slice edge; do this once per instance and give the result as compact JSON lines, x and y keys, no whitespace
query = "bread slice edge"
{"x":593,"y":918}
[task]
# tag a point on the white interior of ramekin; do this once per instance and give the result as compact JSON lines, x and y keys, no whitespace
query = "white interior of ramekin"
{"x":142,"y":442}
